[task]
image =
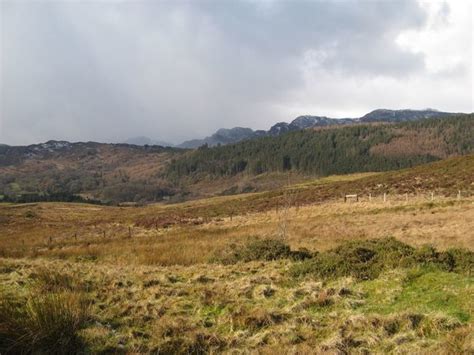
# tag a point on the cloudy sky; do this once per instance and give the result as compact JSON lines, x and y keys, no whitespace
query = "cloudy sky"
{"x":173,"y":70}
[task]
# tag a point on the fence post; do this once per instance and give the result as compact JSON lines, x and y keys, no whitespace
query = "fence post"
{"x":459,"y":194}
{"x":370,"y":197}
{"x":384,"y":197}
{"x":129,"y":231}
{"x":432,"y":196}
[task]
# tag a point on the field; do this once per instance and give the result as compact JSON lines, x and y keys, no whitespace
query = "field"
{"x":284,"y":271}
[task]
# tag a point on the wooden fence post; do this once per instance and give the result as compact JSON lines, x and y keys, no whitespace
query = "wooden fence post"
{"x":384,"y":197}
{"x":370,"y":197}
{"x":129,"y":231}
{"x":459,"y":194}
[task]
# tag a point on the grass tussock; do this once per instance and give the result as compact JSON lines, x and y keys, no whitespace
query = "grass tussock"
{"x":254,"y":307}
{"x":46,"y":323}
{"x":50,"y":280}
{"x":366,"y":259}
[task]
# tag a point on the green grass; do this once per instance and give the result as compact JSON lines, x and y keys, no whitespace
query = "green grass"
{"x":420,"y":290}
{"x":363,"y":296}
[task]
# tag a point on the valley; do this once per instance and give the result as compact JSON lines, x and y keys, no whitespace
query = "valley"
{"x":236,"y":177}
{"x":244,"y":272}
{"x":118,"y":173}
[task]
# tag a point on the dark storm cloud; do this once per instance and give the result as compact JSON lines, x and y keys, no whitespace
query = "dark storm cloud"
{"x":174,"y":69}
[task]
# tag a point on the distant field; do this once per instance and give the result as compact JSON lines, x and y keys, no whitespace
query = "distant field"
{"x":186,"y":278}
{"x":72,"y":230}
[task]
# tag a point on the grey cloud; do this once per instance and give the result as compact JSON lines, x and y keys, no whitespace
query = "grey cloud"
{"x":174,"y":70}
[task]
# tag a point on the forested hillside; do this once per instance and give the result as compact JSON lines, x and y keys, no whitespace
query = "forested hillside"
{"x":120,"y":173}
{"x":341,"y":150}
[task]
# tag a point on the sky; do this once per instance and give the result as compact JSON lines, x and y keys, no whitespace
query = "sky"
{"x":106,"y":70}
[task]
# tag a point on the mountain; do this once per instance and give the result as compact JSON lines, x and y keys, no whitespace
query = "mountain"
{"x":383,"y":115}
{"x":237,"y":134}
{"x":222,"y":136}
{"x":123,"y":172}
{"x":351,"y":148}
{"x":142,"y":140}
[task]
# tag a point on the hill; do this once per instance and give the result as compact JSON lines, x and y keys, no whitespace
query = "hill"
{"x":109,"y":172}
{"x":292,"y":270}
{"x":335,"y":150}
{"x":445,"y":178}
{"x":115,"y":173}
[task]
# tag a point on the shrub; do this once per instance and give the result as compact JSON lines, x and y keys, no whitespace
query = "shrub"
{"x":266,"y":249}
{"x":42,"y":323}
{"x":367,"y":259}
{"x":260,"y":249}
{"x":462,"y":259}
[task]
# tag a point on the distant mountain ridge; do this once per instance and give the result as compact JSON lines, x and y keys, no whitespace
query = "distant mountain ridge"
{"x":237,"y":134}
{"x":225,"y":136}
{"x":142,"y":140}
{"x":115,"y":173}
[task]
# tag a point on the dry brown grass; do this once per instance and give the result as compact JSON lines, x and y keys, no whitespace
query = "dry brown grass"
{"x":254,"y":306}
{"x":77,"y":230}
{"x":424,"y":142}
{"x":154,"y":290}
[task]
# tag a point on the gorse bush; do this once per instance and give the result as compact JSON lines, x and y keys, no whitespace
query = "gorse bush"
{"x":367,"y":259}
{"x":260,"y":249}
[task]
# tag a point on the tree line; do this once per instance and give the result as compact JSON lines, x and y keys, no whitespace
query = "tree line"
{"x":324,"y":152}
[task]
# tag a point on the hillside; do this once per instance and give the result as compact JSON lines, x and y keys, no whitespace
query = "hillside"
{"x":341,"y":150}
{"x":112,"y":172}
{"x":291,"y":270}
{"x":443,"y":178}
{"x":117,"y":173}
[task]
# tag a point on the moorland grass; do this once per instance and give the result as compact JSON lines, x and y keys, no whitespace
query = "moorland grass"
{"x":42,"y":322}
{"x":254,"y":306}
